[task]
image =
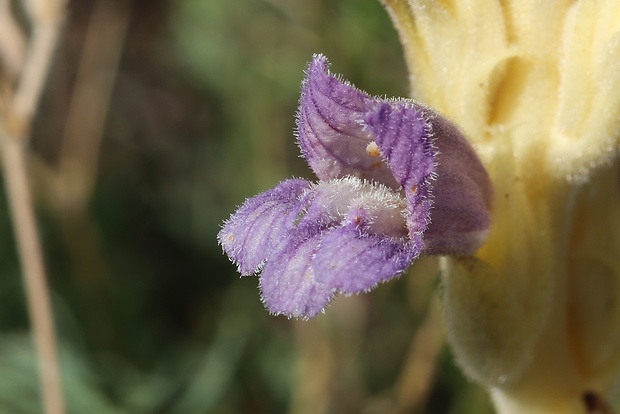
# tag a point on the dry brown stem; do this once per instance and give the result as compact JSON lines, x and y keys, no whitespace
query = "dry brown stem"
{"x":90,"y":102}
{"x":12,"y":42}
{"x":15,"y":124}
{"x":418,"y":373}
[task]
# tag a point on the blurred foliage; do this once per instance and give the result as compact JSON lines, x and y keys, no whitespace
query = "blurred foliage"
{"x":152,"y":318}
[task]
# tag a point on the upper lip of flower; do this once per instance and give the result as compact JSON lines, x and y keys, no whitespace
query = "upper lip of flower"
{"x":381,"y":164}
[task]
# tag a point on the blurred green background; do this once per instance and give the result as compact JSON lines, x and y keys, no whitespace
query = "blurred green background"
{"x":197,"y":114}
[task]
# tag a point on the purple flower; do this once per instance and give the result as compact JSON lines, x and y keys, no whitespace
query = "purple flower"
{"x":396,"y":180}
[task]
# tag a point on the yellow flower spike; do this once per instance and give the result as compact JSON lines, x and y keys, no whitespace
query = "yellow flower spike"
{"x":535,"y":85}
{"x":585,"y":133}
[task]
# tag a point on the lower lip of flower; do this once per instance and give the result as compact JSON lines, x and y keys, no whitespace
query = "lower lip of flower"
{"x":382,"y":208}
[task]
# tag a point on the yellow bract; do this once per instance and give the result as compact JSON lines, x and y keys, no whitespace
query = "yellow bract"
{"x":535,"y":86}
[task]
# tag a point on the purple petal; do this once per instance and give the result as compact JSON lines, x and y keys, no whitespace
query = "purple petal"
{"x":330,"y":128}
{"x":447,"y":188}
{"x":288,"y":284}
{"x":404,"y":137}
{"x":304,"y":274}
{"x":462,"y":195}
{"x":352,"y":261}
{"x":350,"y":237}
{"x":254,"y":230}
